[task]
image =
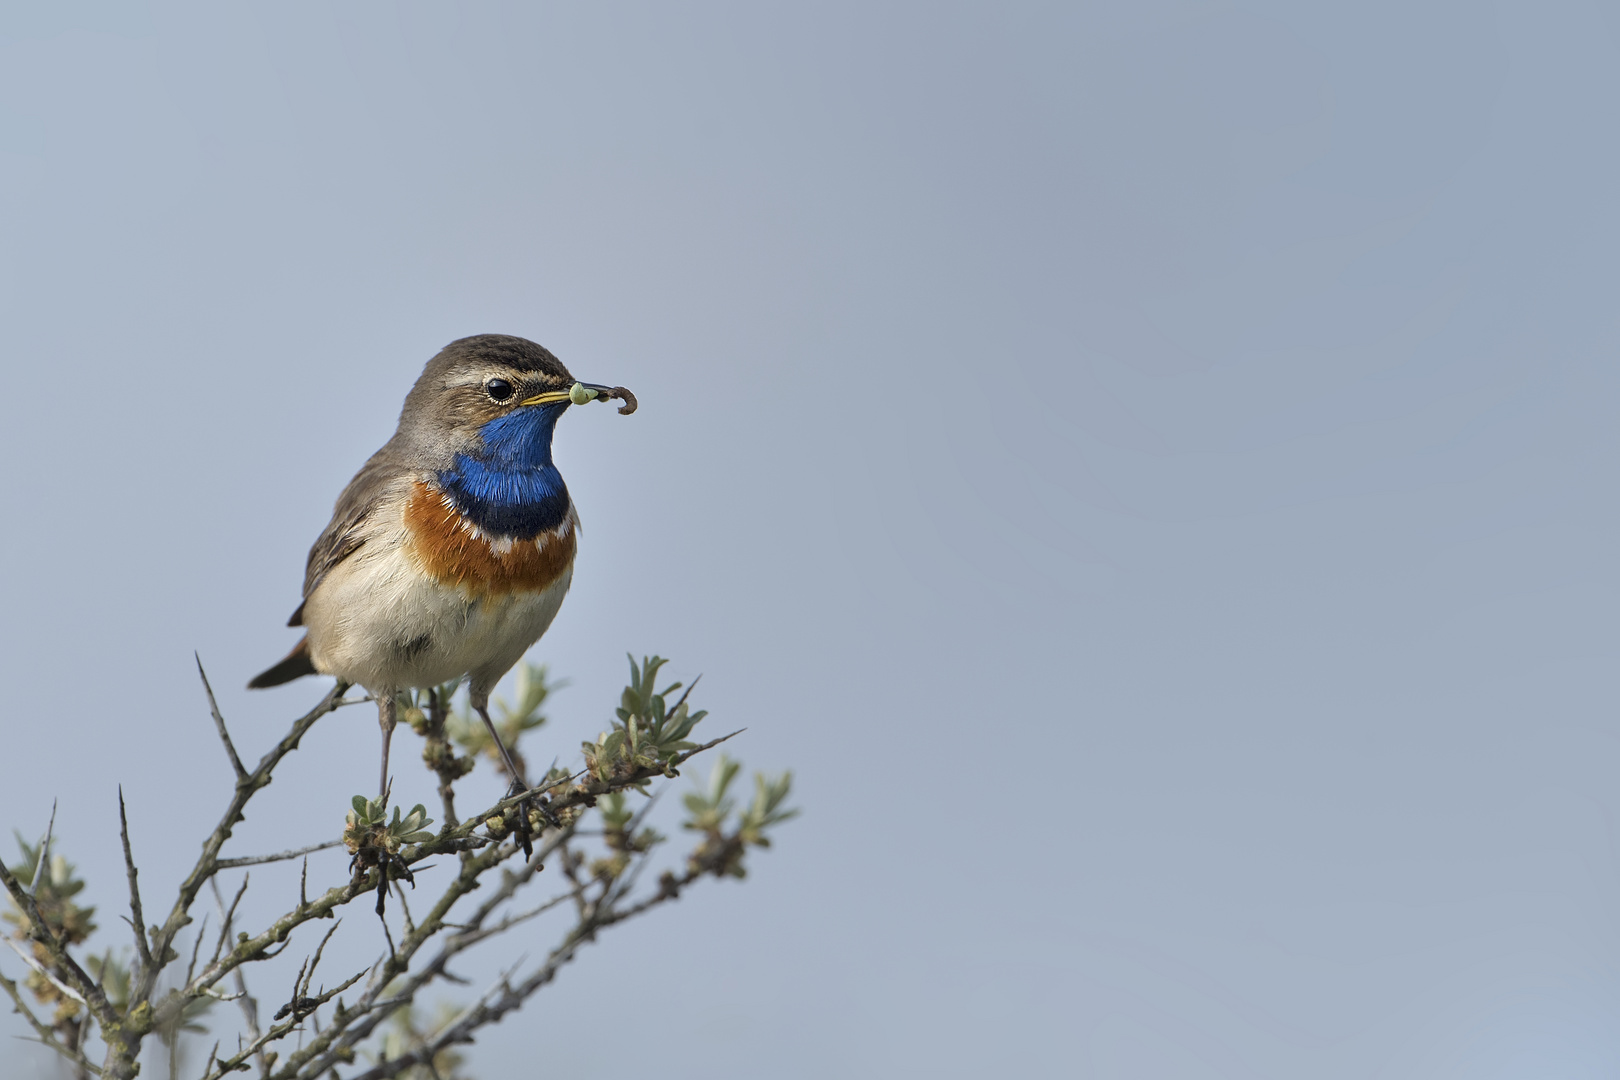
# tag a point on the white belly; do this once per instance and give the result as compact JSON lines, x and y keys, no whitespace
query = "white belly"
{"x":378,"y":621}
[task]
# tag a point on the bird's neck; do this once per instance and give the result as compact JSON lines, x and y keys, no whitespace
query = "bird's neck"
{"x":510,"y":488}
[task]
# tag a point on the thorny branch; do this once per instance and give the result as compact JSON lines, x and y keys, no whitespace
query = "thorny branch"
{"x":600,"y":915}
{"x":219,"y":722}
{"x":227,"y":921}
{"x":648,"y":742}
{"x":137,"y":921}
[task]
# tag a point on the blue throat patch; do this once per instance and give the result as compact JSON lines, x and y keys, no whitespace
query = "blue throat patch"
{"x":512,"y":489}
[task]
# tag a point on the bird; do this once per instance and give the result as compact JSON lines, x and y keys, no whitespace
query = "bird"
{"x":450,"y":552}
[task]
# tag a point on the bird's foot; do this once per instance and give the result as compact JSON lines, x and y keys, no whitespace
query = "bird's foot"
{"x":525,"y":835}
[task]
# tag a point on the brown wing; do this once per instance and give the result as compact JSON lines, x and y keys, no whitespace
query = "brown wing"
{"x":346,"y":532}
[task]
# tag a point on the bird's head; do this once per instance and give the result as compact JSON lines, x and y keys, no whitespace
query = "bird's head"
{"x":481,"y":419}
{"x":493,"y":398}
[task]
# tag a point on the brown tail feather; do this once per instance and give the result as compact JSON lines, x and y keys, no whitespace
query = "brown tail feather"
{"x":296,"y":665}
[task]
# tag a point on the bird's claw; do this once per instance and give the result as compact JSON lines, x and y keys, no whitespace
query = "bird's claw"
{"x":522,"y":831}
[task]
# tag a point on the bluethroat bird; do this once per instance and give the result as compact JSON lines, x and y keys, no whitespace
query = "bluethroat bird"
{"x":450,"y":551}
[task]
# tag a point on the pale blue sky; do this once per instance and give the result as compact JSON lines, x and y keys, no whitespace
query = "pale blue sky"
{"x":1149,"y":467}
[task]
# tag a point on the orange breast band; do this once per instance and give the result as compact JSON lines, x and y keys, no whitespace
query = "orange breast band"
{"x":456,"y":553}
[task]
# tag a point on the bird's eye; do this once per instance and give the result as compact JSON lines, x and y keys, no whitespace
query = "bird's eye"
{"x":498,"y":389}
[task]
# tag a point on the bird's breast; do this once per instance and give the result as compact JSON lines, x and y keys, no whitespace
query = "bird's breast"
{"x":454,"y":551}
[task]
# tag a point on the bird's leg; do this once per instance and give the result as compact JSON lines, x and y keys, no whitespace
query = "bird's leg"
{"x":480,"y":703}
{"x":386,"y":718}
{"x":518,"y":782}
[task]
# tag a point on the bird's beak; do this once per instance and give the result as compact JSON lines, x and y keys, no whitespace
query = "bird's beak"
{"x":583,"y":393}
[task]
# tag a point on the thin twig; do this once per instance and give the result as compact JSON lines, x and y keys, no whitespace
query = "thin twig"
{"x":393,"y":953}
{"x":438,"y":748}
{"x":682,"y":699}
{"x":459,"y":838}
{"x":570,"y":865}
{"x":278,"y":1031}
{"x":565,"y":794}
{"x":42,"y":859}
{"x":408,"y":924}
{"x":196,"y":947}
{"x":137,"y":920}
{"x":46,"y":1035}
{"x":627,"y":884}
{"x":504,"y":979}
{"x":357,"y":1024}
{"x":247,"y":1003}
{"x":280,"y":856}
{"x":226,"y":915}
{"x":316,"y":962}
{"x":465,"y":941}
{"x":42,"y":970}
{"x":247,"y":785}
{"x":292,"y":1003}
{"x":250,"y":1012}
{"x":89,"y":991}
{"x":485,"y":1013}
{"x":219,"y":722}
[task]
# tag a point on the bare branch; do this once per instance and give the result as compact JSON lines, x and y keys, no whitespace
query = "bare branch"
{"x":44,"y":972}
{"x":484,"y":842}
{"x":219,"y":722}
{"x":600,"y":917}
{"x":259,"y":946}
{"x":247,"y":785}
{"x":303,"y":991}
{"x":298,"y":984}
{"x":196,"y":947}
{"x":280,"y":856}
{"x":246,"y":1002}
{"x":570,"y":866}
{"x":46,"y":1035}
{"x":356,"y":1024}
{"x":279,"y":1031}
{"x":457,"y":839}
{"x":462,"y":942}
{"x":137,"y":920}
{"x":486,"y":1012}
{"x":250,"y":1012}
{"x":88,"y":990}
{"x":440,"y":754}
{"x":226,"y":915}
